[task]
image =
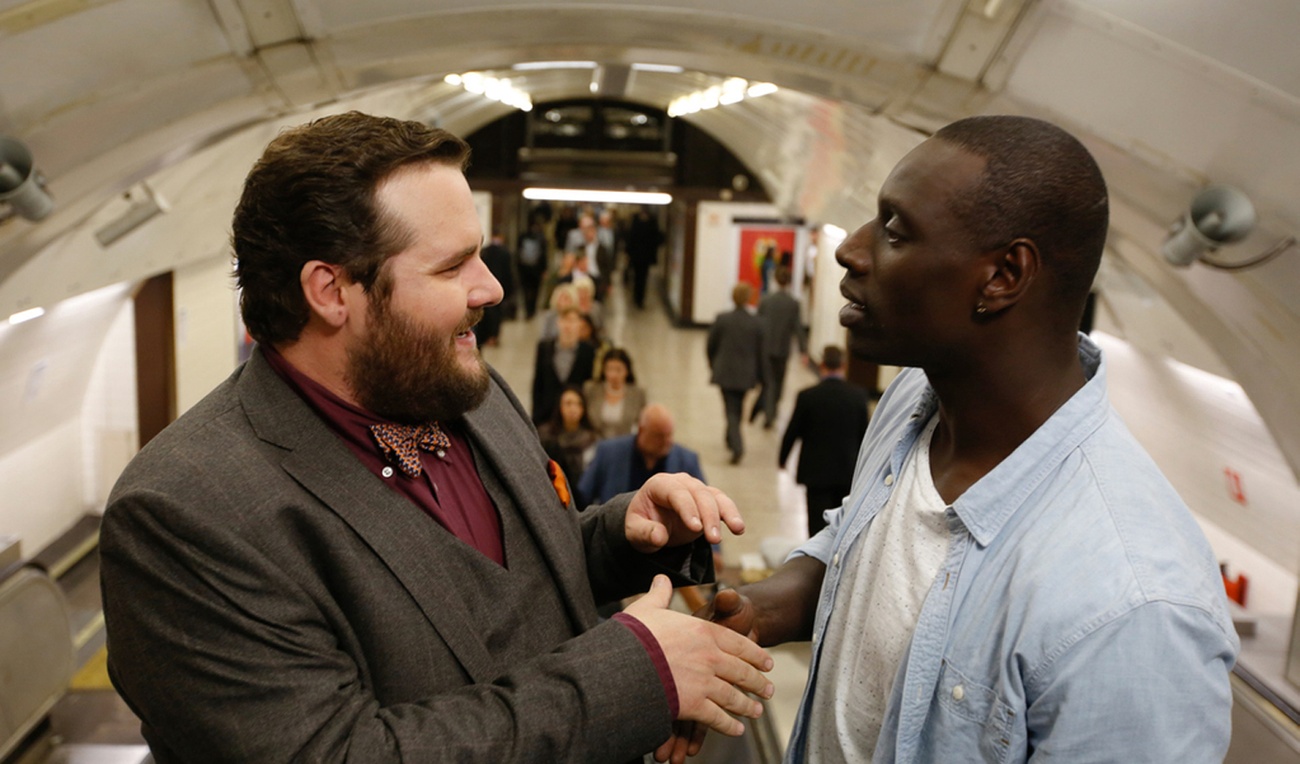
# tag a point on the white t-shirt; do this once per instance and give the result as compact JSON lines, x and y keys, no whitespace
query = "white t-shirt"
{"x":885,"y":581}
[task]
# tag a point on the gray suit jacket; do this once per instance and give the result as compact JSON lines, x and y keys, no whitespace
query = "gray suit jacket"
{"x":735,"y":349}
{"x":268,"y":599}
{"x":779,"y":313}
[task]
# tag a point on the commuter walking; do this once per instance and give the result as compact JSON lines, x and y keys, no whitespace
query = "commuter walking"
{"x":779,"y":313}
{"x":829,"y":421}
{"x":735,"y":350}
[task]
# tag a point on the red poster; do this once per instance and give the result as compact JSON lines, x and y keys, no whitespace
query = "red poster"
{"x":762,"y":248}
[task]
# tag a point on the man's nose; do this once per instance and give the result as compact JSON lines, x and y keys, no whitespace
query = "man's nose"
{"x":852,"y":252}
{"x":486,"y":290}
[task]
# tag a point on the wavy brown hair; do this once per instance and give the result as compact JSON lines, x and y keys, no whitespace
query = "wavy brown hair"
{"x":311,"y":196}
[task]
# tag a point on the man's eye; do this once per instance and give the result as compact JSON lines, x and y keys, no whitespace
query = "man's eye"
{"x":892,"y":234}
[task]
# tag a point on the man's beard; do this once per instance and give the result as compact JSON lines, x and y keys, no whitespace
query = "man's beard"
{"x":410,"y":375}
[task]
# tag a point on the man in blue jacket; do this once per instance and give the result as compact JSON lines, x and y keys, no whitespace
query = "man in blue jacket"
{"x":624,"y":464}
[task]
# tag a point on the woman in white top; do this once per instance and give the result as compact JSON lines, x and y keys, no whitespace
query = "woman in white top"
{"x":614,"y":401}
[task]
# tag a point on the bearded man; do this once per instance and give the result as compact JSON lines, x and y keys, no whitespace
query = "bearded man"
{"x":355,"y":547}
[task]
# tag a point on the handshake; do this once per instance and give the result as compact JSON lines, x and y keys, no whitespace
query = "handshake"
{"x":715,"y":662}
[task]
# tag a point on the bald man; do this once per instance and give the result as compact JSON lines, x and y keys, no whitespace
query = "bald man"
{"x":625,"y":464}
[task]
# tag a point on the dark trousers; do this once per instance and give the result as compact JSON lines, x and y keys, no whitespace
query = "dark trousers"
{"x":733,"y":402}
{"x":769,"y":393}
{"x":530,"y":282}
{"x":820,"y":499}
{"x":640,"y":268}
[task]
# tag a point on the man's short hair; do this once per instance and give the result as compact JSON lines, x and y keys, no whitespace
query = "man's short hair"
{"x":1039,"y":183}
{"x":741,"y":293}
{"x":833,"y":357}
{"x":311,"y":196}
{"x":783,"y":275}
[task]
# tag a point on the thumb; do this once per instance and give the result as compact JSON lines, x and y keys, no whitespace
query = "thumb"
{"x":726,"y":603}
{"x":660,"y":594}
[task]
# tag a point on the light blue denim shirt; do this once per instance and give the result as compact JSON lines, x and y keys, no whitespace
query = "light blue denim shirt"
{"x":1079,"y":616}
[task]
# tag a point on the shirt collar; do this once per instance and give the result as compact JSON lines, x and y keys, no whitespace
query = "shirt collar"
{"x":987,"y":505}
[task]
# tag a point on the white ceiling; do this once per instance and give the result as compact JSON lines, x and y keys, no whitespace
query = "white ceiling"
{"x":1170,"y":95}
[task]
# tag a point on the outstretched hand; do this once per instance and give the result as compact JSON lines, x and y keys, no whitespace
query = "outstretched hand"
{"x":735,"y":611}
{"x":711,"y":666}
{"x":675,"y":509}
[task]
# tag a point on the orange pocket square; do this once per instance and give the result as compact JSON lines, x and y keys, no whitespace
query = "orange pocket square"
{"x":558,"y":482}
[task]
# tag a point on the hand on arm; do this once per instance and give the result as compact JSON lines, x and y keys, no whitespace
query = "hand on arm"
{"x":675,"y":509}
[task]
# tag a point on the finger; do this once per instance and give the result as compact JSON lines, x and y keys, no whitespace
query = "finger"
{"x":745,"y":677}
{"x":716,"y":719}
{"x":658,"y":597}
{"x":744,"y":649}
{"x":730,"y":514}
{"x":681,"y":500}
{"x":698,"y":733}
{"x":666,"y":748}
{"x":734,"y":701}
{"x":682,"y":742}
{"x":726,"y":603}
{"x":705,"y":499}
{"x":646,"y":534}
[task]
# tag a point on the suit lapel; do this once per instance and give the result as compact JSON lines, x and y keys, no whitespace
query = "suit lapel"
{"x":398,"y":532}
{"x":502,"y":434}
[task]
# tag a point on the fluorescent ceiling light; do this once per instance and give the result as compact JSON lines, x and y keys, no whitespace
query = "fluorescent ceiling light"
{"x":529,"y":66}
{"x":732,"y":90}
{"x":26,"y":315}
{"x":496,"y":88}
{"x":588,"y":195}
{"x":665,"y":68}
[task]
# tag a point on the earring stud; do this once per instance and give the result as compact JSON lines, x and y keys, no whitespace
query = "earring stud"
{"x":980,"y":309}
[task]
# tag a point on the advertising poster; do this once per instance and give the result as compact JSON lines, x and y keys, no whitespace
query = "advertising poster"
{"x":762,"y":248}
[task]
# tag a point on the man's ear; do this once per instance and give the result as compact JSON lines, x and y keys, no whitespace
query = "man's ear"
{"x":325,"y":287}
{"x":1012,"y":269}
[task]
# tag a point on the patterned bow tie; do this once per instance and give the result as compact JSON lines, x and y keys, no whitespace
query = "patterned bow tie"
{"x":402,"y":443}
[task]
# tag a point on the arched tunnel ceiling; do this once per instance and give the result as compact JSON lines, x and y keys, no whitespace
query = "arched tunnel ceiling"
{"x":185,"y":92}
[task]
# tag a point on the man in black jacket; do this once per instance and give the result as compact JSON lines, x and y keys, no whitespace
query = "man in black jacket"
{"x":830,"y":418}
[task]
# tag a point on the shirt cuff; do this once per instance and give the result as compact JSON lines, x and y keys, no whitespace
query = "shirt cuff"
{"x":657,"y":657}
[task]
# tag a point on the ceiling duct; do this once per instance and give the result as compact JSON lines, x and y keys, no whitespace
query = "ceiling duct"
{"x":611,"y":81}
{"x":142,"y":205}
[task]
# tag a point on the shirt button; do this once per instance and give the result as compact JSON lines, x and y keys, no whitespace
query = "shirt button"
{"x":387,"y":472}
{"x":958,"y":693}
{"x":835,"y":560}
{"x":889,"y":479}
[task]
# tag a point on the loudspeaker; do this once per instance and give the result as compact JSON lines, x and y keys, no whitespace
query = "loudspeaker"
{"x":20,"y":186}
{"x":1218,"y":215}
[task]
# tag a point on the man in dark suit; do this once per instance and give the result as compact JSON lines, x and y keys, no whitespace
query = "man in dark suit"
{"x":779,"y":313}
{"x":830,"y":419}
{"x":735,"y":350}
{"x":600,"y":257}
{"x":352,"y":548}
{"x":497,"y":259}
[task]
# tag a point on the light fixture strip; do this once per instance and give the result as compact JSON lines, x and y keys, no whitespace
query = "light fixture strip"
{"x":591,"y":195}
{"x":733,"y":90}
{"x":26,"y":315}
{"x":496,"y":88}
